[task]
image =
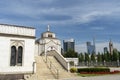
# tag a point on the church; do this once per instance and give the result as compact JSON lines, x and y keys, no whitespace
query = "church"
{"x":47,"y":42}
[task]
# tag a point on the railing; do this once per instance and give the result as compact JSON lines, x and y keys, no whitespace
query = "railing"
{"x":51,"y":66}
{"x":104,"y":64}
{"x":44,"y":59}
{"x":62,"y":60}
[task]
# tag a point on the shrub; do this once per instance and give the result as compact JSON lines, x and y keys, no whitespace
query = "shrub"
{"x":73,"y":70}
{"x":93,"y":70}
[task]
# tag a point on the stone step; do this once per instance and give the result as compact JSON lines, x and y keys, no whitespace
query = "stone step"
{"x":62,"y":72}
{"x":43,"y":72}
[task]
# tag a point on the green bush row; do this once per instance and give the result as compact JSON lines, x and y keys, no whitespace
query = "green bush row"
{"x":93,"y":70}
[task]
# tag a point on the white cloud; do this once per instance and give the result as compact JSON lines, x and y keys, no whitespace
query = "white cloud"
{"x":91,"y":16}
{"x":97,"y":28}
{"x":81,"y":12}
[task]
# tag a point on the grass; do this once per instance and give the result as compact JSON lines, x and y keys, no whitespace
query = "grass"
{"x":89,"y":75}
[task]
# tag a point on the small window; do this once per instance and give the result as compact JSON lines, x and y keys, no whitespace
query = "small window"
{"x":19,"y":57}
{"x":13,"y":56}
{"x":49,"y":35}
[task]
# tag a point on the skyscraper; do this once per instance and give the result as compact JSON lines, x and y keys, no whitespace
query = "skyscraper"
{"x":68,"y":45}
{"x":91,"y":48}
{"x":111,"y":47}
{"x":105,"y":49}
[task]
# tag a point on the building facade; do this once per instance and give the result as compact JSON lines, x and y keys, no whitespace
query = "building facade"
{"x":16,"y":45}
{"x":68,"y":45}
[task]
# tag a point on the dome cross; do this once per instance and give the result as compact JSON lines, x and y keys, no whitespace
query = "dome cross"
{"x":48,"y":28}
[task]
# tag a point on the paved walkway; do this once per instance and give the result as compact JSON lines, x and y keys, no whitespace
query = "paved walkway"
{"x":106,"y":77}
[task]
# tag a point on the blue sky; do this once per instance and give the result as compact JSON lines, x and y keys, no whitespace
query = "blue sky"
{"x":78,"y":19}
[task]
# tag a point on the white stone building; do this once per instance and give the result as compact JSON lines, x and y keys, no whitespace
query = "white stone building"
{"x":47,"y":42}
{"x":17,"y":45}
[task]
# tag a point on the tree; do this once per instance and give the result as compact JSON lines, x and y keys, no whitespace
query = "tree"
{"x":102,"y":57}
{"x":99,"y":57}
{"x":107,"y":57}
{"x":119,"y":55}
{"x":81,"y":57}
{"x":87,"y":59}
{"x":71,"y":54}
{"x":93,"y":57}
{"x":115,"y":55}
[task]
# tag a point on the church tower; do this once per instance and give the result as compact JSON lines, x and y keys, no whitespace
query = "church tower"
{"x":48,"y":42}
{"x":111,"y":47}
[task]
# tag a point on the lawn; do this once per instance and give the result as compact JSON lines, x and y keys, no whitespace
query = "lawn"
{"x":88,"y":75}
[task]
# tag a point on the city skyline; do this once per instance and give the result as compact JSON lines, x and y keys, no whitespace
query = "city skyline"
{"x":78,"y":19}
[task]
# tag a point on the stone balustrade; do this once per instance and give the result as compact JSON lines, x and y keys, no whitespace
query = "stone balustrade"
{"x":62,"y":60}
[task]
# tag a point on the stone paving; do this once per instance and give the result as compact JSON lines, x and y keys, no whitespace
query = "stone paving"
{"x":105,"y":77}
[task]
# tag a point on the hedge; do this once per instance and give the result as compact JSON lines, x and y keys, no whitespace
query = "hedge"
{"x":73,"y":70}
{"x":93,"y":70}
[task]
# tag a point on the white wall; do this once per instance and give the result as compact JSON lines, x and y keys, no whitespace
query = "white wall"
{"x":38,"y":49}
{"x":75,"y":60}
{"x":5,"y":53}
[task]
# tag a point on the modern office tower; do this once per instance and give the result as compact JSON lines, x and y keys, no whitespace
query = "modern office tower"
{"x":105,"y":49}
{"x":111,"y":47}
{"x":68,"y":45}
{"x":91,"y":48}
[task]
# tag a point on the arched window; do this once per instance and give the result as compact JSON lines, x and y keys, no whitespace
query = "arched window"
{"x":13,"y":56}
{"x":19,"y":57}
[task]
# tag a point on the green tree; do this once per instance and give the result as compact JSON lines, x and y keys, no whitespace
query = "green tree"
{"x":93,"y":57}
{"x":107,"y":57}
{"x":102,"y":57}
{"x":87,"y":59}
{"x":119,"y":55}
{"x":99,"y":57}
{"x":115,"y":55}
{"x":81,"y":57}
{"x":71,"y":54}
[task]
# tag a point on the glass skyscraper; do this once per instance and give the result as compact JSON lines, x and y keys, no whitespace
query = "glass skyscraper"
{"x":68,"y":45}
{"x":90,"y":48}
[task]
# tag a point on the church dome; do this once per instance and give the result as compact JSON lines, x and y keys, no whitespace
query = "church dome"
{"x":48,"y":34}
